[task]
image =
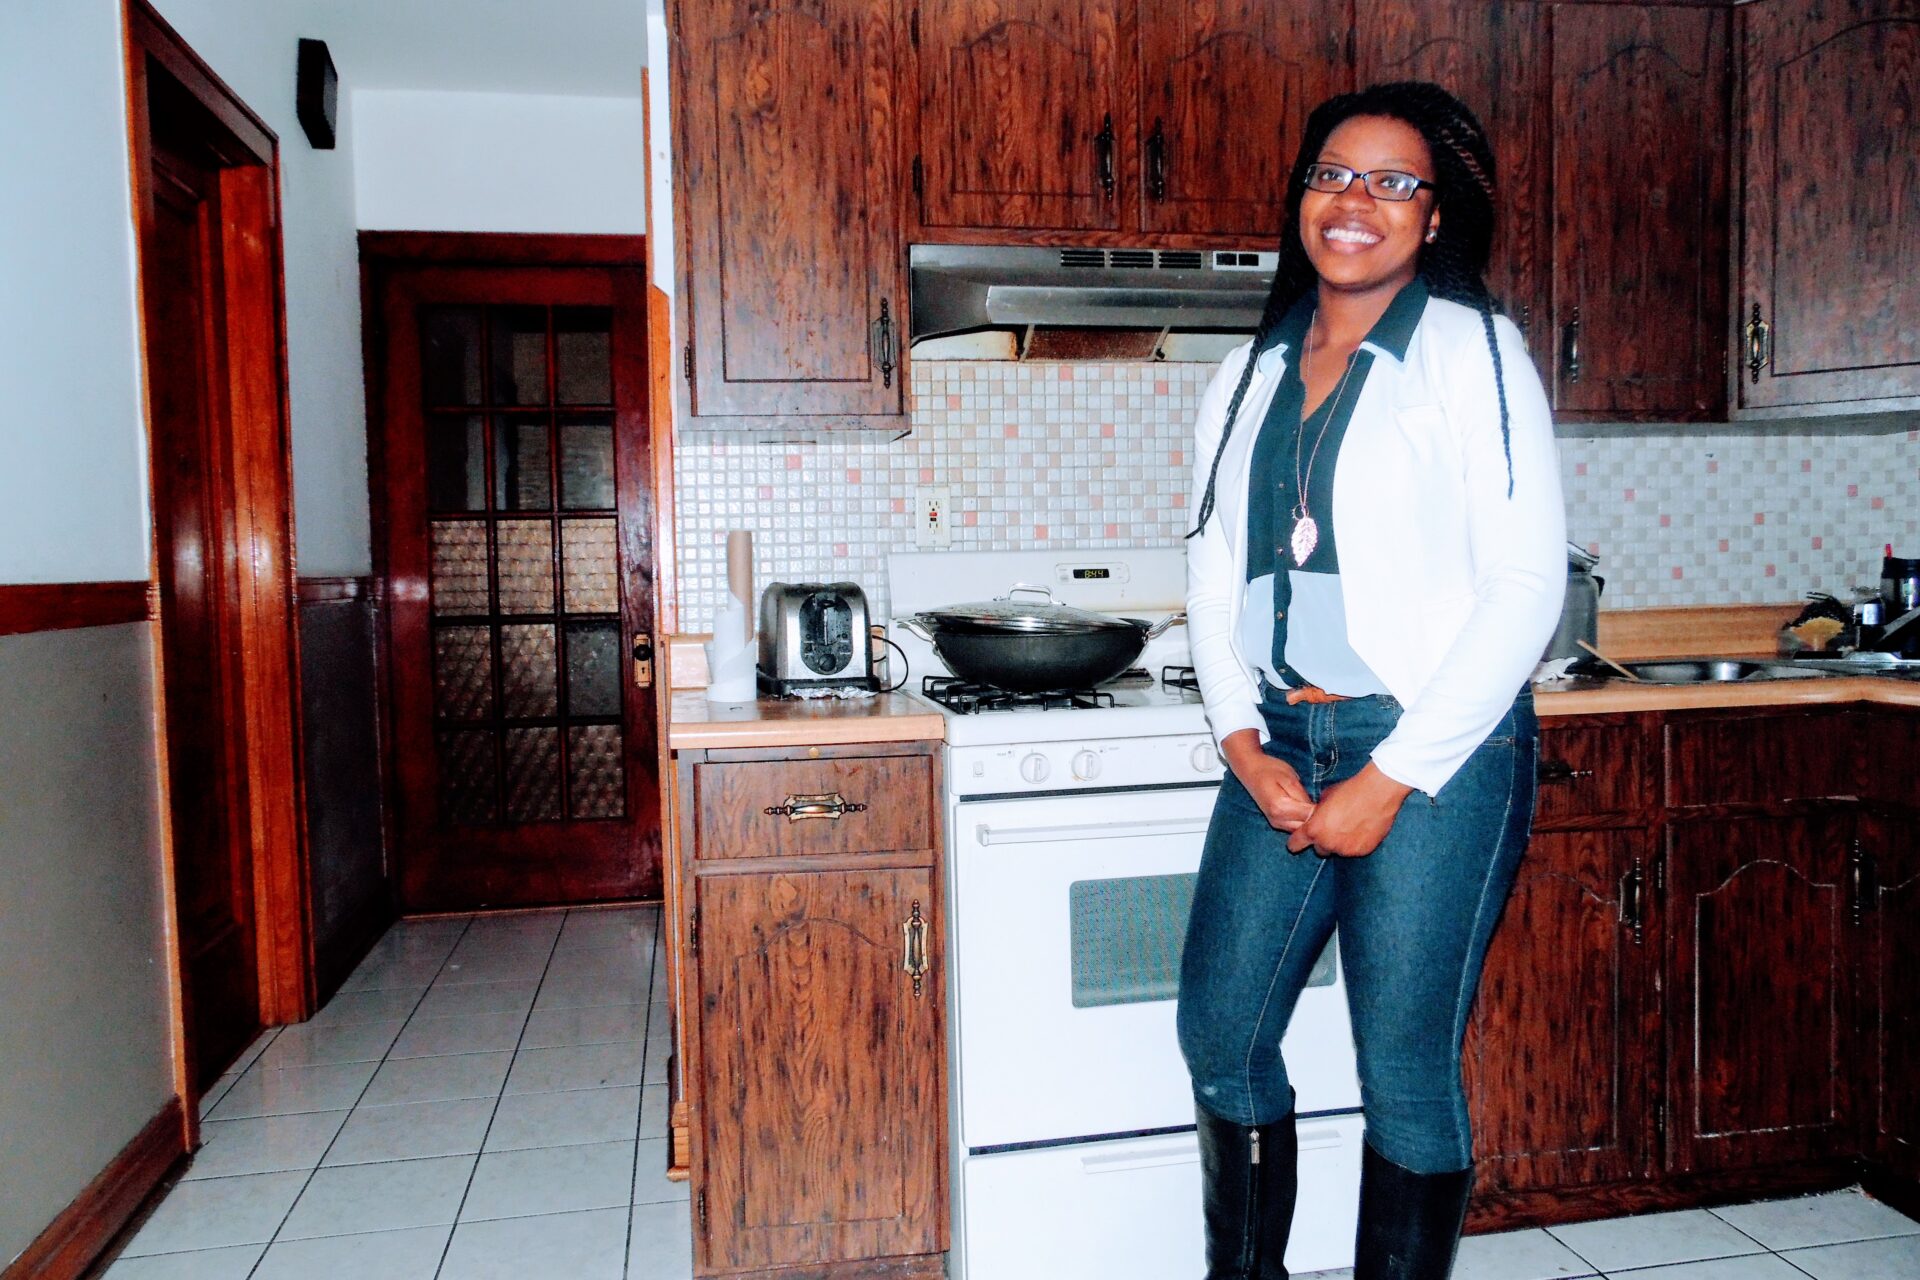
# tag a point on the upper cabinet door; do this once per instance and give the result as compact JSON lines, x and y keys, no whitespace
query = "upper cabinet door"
{"x":794,"y":278}
{"x":1639,"y":211}
{"x":1489,"y":54}
{"x":1022,"y":110}
{"x":1829,"y":307}
{"x":1225,"y":88}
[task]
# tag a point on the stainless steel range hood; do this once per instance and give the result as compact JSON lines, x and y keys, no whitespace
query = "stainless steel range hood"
{"x":1138,"y":296}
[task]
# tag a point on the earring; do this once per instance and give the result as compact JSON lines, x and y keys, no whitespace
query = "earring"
{"x":1433,"y":233}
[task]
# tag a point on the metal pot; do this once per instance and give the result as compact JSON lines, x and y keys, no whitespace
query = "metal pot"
{"x":1028,"y":647}
{"x":1580,"y":615}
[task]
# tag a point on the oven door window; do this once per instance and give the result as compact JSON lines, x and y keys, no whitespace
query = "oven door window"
{"x":1127,"y":936}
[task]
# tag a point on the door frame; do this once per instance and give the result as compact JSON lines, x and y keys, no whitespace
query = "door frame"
{"x":382,"y":253}
{"x":254,"y":454}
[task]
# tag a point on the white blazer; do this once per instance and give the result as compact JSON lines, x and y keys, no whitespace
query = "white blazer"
{"x":1452,"y":586}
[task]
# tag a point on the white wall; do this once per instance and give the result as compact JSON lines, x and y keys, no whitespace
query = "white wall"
{"x":499,"y":162}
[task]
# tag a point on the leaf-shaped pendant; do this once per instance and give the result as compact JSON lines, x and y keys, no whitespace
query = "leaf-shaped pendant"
{"x":1306,"y":536}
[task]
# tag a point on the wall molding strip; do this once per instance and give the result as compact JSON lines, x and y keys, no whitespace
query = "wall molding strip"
{"x":63,"y":606}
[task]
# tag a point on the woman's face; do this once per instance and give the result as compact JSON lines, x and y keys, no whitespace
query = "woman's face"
{"x":1359,"y":243}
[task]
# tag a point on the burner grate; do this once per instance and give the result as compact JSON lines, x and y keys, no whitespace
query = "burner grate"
{"x":1180,"y":678}
{"x":967,"y":697}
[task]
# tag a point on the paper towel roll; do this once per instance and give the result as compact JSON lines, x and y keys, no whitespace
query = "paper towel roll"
{"x":740,"y":577}
{"x":731,"y":660}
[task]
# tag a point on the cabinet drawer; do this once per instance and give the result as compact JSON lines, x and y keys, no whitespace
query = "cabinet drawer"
{"x":1757,"y":758}
{"x":1590,"y":771}
{"x":860,"y":804}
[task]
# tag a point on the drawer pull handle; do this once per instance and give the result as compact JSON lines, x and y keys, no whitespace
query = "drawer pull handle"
{"x":913,"y":959}
{"x":802,"y":808}
{"x":1554,"y":772}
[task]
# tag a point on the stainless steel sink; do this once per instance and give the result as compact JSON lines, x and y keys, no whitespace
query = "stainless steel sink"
{"x":1722,"y":670}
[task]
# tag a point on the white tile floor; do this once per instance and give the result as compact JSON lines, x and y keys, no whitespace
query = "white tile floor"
{"x":487,"y":1098}
{"x":483,"y":1098}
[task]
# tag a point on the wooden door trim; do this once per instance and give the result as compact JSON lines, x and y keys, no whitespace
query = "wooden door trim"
{"x":501,"y":249}
{"x":263,"y":664}
{"x":63,"y":606}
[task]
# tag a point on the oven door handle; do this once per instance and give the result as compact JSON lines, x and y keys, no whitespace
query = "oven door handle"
{"x":985,"y":835}
{"x":1182,"y":1150}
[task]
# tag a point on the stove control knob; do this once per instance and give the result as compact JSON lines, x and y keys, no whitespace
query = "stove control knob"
{"x":1086,"y":766}
{"x":1205,"y":758}
{"x":1034,"y":767}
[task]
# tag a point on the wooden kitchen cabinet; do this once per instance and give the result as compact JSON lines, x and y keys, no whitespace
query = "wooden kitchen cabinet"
{"x":1829,"y":163}
{"x":1492,"y":55}
{"x":1561,"y":1055}
{"x":1639,"y":109}
{"x":1022,"y":108}
{"x":792,"y":272}
{"x":1887,"y":862}
{"x":815,"y":1040}
{"x":1225,"y":88}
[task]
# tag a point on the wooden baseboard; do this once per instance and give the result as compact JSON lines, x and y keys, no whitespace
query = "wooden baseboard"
{"x":1508,"y":1211}
{"x":64,"y":606}
{"x":76,"y":1238}
{"x":679,"y":1142}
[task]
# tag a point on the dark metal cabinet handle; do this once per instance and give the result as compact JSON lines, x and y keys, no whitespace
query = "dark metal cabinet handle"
{"x":1103,"y":155}
{"x":1554,"y":772}
{"x":913,"y":958}
{"x":883,"y":328}
{"x":831,"y":806}
{"x":1526,"y":325}
{"x":1633,"y":901}
{"x":1157,"y":164}
{"x":1759,"y":344}
{"x":1573,"y":347}
{"x":1863,"y":889}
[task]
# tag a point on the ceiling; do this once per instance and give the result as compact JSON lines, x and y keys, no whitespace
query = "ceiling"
{"x":589,"y":48}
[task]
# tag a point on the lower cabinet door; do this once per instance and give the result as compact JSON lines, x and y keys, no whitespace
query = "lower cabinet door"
{"x":1889,"y":882}
{"x":1130,"y":1209}
{"x":1559,"y":1058}
{"x":1762,"y":1013}
{"x":822,"y":1116}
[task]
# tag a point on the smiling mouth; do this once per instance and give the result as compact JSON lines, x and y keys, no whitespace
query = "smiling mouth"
{"x":1351,"y":235}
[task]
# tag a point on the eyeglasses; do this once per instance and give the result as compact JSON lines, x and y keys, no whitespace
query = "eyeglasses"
{"x":1381,"y":184}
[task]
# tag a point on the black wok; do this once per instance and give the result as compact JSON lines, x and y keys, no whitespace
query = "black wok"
{"x":1034,"y":648}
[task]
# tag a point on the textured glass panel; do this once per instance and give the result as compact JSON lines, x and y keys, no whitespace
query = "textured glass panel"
{"x":529,"y":671}
{"x":526,"y":566}
{"x":456,"y":462}
{"x":457,"y":574}
{"x":522,"y":477}
{"x":463,"y":673}
{"x":533,"y":774}
{"x":466,"y":776}
{"x":582,"y":355}
{"x":586,"y":462}
{"x":1126,"y":938}
{"x":597,"y":771}
{"x":450,"y":354}
{"x":590,"y":566}
{"x":593,"y":668}
{"x":519,"y":355}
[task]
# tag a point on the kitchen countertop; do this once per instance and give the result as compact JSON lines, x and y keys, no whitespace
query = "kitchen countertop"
{"x":800,"y":722}
{"x":1613,"y":696}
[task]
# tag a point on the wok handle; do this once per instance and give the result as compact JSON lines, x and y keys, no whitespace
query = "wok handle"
{"x":1171,"y":620}
{"x":1028,"y":586}
{"x":916,"y":623}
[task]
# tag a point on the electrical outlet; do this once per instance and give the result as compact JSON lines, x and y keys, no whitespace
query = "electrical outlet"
{"x":933,"y":516}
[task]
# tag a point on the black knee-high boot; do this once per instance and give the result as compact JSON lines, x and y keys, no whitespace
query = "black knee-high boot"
{"x":1409,"y":1222}
{"x":1249,"y":1177}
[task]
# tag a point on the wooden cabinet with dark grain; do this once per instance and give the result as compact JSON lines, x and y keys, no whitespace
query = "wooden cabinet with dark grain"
{"x":1225,"y":88}
{"x":1639,"y":203}
{"x":792,"y":273}
{"x":815,"y":1043}
{"x":1829,"y":171}
{"x":1886,"y":867}
{"x":1492,"y":55}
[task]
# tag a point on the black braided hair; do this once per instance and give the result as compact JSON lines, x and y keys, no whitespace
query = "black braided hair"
{"x":1452,"y":267}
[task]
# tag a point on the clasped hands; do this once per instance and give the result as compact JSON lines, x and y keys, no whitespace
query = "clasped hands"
{"x":1351,"y":818}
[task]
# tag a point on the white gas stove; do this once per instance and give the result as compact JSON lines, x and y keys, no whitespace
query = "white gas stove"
{"x":1074,"y":827}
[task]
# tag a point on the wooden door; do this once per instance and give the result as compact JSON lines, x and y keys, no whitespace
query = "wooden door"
{"x":795,"y":283}
{"x":822,"y":1115}
{"x":1491,"y":54}
{"x":1024,"y":113}
{"x":1762,"y":992}
{"x":213,"y":881}
{"x":1887,"y":871}
{"x":1639,"y":211}
{"x":515,"y":460}
{"x":1559,"y":1059}
{"x":1225,"y":88}
{"x":1830,"y":203}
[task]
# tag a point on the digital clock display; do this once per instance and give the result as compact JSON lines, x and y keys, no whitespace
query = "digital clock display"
{"x":1086,"y":575}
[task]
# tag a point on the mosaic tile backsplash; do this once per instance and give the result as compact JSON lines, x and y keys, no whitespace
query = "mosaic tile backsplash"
{"x":1058,"y":455}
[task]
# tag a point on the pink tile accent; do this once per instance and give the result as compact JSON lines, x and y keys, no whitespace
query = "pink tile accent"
{"x":1677,"y":574}
{"x":1113,"y":530}
{"x":953,"y":402}
{"x":1161,"y":388}
{"x":1579,"y":468}
{"x":1666,"y":522}
{"x":1629,"y":495}
{"x":1853,"y":491}
{"x":794,"y":462}
{"x":1010,"y":432}
{"x":926,"y":475}
{"x":840,"y":550}
{"x":766,"y":492}
{"x":1066,"y":373}
{"x":1806,"y":466}
{"x":1759,"y":517}
{"x":1178,"y":458}
{"x":1713,"y":466}
{"x":1179,"y":501}
{"x":1106,"y":431}
{"x":899,"y":506}
{"x":853,"y":475}
{"x":1771,"y":571}
{"x":1039,"y":533}
{"x":1725,"y":545}
{"x":968,"y":519}
{"x":1878,"y":504}
{"x":1096,"y":501}
{"x":1818,"y":542}
{"x":1593,"y":548}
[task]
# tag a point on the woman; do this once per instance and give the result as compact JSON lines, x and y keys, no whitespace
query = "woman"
{"x":1378,"y":564}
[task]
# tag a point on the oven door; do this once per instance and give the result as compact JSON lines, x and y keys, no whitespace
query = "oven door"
{"x":1067,"y":918}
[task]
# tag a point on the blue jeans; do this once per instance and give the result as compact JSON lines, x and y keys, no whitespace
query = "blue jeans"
{"x":1414,"y":918}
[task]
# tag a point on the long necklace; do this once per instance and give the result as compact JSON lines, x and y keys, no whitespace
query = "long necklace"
{"x":1306,"y":531}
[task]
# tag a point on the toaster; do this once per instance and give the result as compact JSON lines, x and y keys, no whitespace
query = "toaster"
{"x":814,"y":635}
